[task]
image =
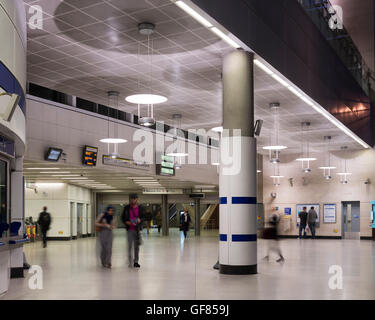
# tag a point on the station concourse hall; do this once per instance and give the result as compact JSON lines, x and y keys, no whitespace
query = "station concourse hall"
{"x":187,"y":151}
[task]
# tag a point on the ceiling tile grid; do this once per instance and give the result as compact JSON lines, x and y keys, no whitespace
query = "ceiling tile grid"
{"x":88,"y":47}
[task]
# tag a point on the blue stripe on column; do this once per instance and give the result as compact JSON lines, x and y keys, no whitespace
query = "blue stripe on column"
{"x":223,"y":237}
{"x":239,"y":237}
{"x":244,"y":237}
{"x":223,"y":200}
{"x":244,"y":200}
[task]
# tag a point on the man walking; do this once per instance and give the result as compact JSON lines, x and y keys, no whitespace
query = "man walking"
{"x":311,"y":220}
{"x":44,"y":222}
{"x":132,"y":217}
{"x":303,"y":221}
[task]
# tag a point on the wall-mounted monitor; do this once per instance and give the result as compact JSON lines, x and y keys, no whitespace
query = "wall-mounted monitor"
{"x":90,"y":155}
{"x":53,"y":154}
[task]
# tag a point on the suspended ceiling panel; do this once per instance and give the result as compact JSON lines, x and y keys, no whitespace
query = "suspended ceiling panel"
{"x":88,"y":47}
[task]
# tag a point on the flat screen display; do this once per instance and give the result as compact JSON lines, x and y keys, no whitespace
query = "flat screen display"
{"x":53,"y":154}
{"x":90,"y":155}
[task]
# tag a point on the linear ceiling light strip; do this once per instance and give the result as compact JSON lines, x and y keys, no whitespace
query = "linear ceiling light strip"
{"x":312,"y":104}
{"x":203,"y":21}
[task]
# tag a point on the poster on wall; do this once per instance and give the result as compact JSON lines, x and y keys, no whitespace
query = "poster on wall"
{"x":329,"y":213}
{"x":308,"y":207}
{"x":287,"y":211}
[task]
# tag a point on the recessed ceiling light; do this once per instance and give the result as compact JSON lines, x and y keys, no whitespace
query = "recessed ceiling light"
{"x":52,"y":172}
{"x":42,"y":168}
{"x":66,"y":175}
{"x":306,"y":159}
{"x":49,"y":184}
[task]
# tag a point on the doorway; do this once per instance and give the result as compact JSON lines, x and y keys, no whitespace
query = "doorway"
{"x":88,"y":231}
{"x":351,"y":220}
{"x":71,"y":218}
{"x":79,"y":219}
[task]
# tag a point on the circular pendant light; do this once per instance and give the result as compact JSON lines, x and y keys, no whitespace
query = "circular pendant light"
{"x":113,"y":140}
{"x":217,"y":129}
{"x":275,"y":148}
{"x":146,"y":121}
{"x":177,"y":154}
{"x":327,"y":167}
{"x":344,"y":174}
{"x":146,"y":98}
{"x":305,"y":152}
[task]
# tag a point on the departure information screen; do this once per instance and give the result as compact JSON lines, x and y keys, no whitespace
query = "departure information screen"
{"x":90,"y":155}
{"x":166,"y":166}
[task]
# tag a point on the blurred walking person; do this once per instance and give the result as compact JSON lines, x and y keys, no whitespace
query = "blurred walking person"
{"x":105,"y":223}
{"x":44,"y":222}
{"x":148,"y":218}
{"x":185,"y":222}
{"x":312,"y":217}
{"x":302,"y":223}
{"x":158,"y":220}
{"x":271,"y":233}
{"x":132,"y":217}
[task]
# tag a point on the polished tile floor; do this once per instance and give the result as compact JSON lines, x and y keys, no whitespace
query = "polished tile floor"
{"x":172,"y":268}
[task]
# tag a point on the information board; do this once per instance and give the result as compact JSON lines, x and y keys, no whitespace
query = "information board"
{"x":308,"y":207}
{"x":90,"y":155}
{"x":329,"y":213}
{"x":166,"y":166}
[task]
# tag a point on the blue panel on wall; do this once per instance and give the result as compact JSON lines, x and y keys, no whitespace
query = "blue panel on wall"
{"x":10,"y":84}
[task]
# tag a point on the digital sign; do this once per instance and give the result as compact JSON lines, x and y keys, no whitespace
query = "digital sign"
{"x":53,"y":154}
{"x":166,"y":166}
{"x":90,"y":155}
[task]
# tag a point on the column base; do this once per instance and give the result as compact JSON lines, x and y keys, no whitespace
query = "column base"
{"x":227,"y":269}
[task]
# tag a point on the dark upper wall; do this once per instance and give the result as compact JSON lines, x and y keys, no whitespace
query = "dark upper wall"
{"x":282,"y":33}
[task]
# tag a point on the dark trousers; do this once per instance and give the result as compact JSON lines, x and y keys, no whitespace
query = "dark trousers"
{"x":185,"y":230}
{"x":159,"y":227}
{"x":44,"y":237}
{"x":106,"y":239}
{"x":312,"y":229}
{"x":302,"y":227}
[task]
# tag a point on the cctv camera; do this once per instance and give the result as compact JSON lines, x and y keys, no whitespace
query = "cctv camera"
{"x":258,"y":127}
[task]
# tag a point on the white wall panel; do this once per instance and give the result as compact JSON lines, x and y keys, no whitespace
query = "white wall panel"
{"x":318,"y":190}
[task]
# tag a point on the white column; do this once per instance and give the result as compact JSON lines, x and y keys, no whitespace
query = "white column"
{"x":238,"y":185}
